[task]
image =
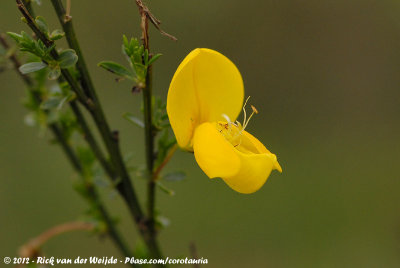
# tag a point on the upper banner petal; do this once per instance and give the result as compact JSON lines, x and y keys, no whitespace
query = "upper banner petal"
{"x":205,"y":86}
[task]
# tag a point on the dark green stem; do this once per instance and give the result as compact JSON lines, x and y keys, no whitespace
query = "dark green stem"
{"x":111,"y":229}
{"x":149,"y":134}
{"x":149,"y":141}
{"x":57,"y":132}
{"x":89,"y":99}
{"x":28,"y":5}
{"x":124,"y":186}
{"x":111,"y":139}
{"x":69,"y":152}
{"x":88,"y":136}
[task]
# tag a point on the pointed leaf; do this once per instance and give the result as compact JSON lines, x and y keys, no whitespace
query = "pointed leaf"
{"x":175,"y":176}
{"x":117,"y":69}
{"x":134,"y":120}
{"x":15,"y":36}
{"x":32,"y":67}
{"x":165,"y":189}
{"x":154,"y":58}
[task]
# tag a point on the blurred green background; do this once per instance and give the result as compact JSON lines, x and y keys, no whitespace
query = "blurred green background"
{"x":324,"y":76}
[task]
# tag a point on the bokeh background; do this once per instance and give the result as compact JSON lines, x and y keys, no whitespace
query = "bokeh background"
{"x":324,"y":76}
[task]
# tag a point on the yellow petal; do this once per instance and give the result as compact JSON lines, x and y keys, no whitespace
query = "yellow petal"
{"x":205,"y":86}
{"x":214,"y":154}
{"x":182,"y":105}
{"x":245,"y":168}
{"x":254,"y":172}
{"x":249,"y":140}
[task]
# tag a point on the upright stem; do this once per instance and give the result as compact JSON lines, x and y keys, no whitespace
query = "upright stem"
{"x":88,"y":136}
{"x":87,"y":96}
{"x":111,"y":139}
{"x":57,"y":132}
{"x":149,"y":141}
{"x":71,"y":155}
{"x":149,"y":133}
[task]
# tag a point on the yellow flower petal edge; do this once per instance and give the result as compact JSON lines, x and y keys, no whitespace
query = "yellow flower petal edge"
{"x":254,"y":172}
{"x":205,"y":86}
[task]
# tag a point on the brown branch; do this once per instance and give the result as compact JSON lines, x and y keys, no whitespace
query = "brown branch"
{"x":143,"y":9}
{"x":31,"y":248}
{"x":158,"y":170}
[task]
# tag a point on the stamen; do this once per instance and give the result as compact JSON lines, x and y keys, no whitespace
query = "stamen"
{"x":233,"y":130}
{"x":245,"y":120}
{"x":254,"y":109}
{"x":244,"y":110}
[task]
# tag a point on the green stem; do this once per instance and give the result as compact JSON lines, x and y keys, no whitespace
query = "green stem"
{"x":111,"y":229}
{"x":110,"y":138}
{"x":71,"y":156}
{"x":88,"y":136}
{"x":149,"y":141}
{"x":149,"y":137}
{"x":91,"y":102}
{"x":124,"y":186}
{"x":57,"y":132}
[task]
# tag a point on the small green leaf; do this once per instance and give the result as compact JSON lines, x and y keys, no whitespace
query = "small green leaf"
{"x":57,"y":34}
{"x":175,"y":176}
{"x":117,"y":69}
{"x":162,"y":221}
{"x":154,"y":58}
{"x":54,"y":73}
{"x":15,"y":36}
{"x":26,"y":36}
{"x":133,"y":119}
{"x":51,"y":103}
{"x":165,"y":189}
{"x":67,"y":58}
{"x":42,"y":25}
{"x":32,"y":67}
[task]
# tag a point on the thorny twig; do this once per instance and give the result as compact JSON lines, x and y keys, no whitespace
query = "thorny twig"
{"x":143,"y":9}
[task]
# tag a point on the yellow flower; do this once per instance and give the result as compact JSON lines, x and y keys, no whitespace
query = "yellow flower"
{"x":205,"y":94}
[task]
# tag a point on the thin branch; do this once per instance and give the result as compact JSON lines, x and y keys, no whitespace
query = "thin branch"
{"x":124,"y":186}
{"x":143,"y":9}
{"x":89,"y":99}
{"x":149,"y":131}
{"x":48,"y":43}
{"x":28,"y":4}
{"x":57,"y":132}
{"x":88,"y":136}
{"x":15,"y":60}
{"x":60,"y":136}
{"x":110,"y":138}
{"x":158,"y":170}
{"x":31,"y":248}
